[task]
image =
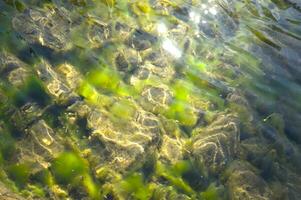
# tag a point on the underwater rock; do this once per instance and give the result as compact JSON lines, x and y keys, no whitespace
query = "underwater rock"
{"x":127,"y":60}
{"x":26,"y":116}
{"x":80,"y":108}
{"x":13,"y":70}
{"x":151,"y":72}
{"x":54,"y":83}
{"x":123,"y":30}
{"x":239,"y":104}
{"x":45,"y":139}
{"x":21,"y":83}
{"x":140,"y":74}
{"x":29,"y":158}
{"x":8,"y":62}
{"x":148,"y":122}
{"x":156,"y":99}
{"x":158,"y":58}
{"x":216,"y":145}
{"x":141,"y":40}
{"x":237,"y":99}
{"x":253,"y":149}
{"x":32,"y":157}
{"x":33,"y":153}
{"x":171,"y":150}
{"x":49,"y":27}
{"x":165,"y":193}
{"x":293,"y":186}
{"x":162,"y":7}
{"x":38,"y":148}
{"x":243,"y":183}
{"x":99,"y":33}
{"x":126,"y":143}
{"x":69,"y":75}
{"x":7,"y":194}
{"x":18,"y":77}
{"x":182,"y":13}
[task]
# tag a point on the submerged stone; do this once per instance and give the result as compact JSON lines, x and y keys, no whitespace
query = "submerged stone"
{"x":171,"y":150}
{"x":245,"y":184}
{"x":14,"y":70}
{"x":54,"y":84}
{"x":45,"y":138}
{"x":141,"y":40}
{"x":49,"y":27}
{"x":38,"y":148}
{"x":216,"y":145}
{"x":8,"y":194}
{"x":156,"y":99}
{"x":127,"y":60}
{"x":99,"y":33}
{"x":128,"y":143}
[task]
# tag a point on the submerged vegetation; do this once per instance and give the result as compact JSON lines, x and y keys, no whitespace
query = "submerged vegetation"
{"x":150,"y":99}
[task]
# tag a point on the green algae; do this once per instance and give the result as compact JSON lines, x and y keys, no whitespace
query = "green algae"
{"x":7,"y":145}
{"x":183,"y":113}
{"x":36,"y":191}
{"x":91,"y":187}
{"x":90,"y":93}
{"x":123,"y":109}
{"x":133,"y":186}
{"x":44,"y":177}
{"x":211,"y":193}
{"x":67,"y":166}
{"x":19,"y":173}
{"x":173,"y":175}
{"x":32,"y":91}
{"x":19,"y":5}
{"x":70,"y":168}
{"x":105,"y":79}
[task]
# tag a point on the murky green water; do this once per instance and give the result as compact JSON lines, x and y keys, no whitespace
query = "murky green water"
{"x":150,"y":99}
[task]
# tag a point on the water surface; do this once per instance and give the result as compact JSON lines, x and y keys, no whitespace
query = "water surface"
{"x":151,"y":99}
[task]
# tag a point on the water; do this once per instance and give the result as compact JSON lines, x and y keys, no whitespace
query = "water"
{"x":150,"y":99}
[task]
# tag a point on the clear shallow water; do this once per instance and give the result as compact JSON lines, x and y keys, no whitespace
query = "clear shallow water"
{"x":150,"y":99}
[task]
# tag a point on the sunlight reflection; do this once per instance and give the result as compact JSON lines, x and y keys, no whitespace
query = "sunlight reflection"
{"x":161,"y":28}
{"x":213,"y":10}
{"x":170,"y":47}
{"x":195,"y":17}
